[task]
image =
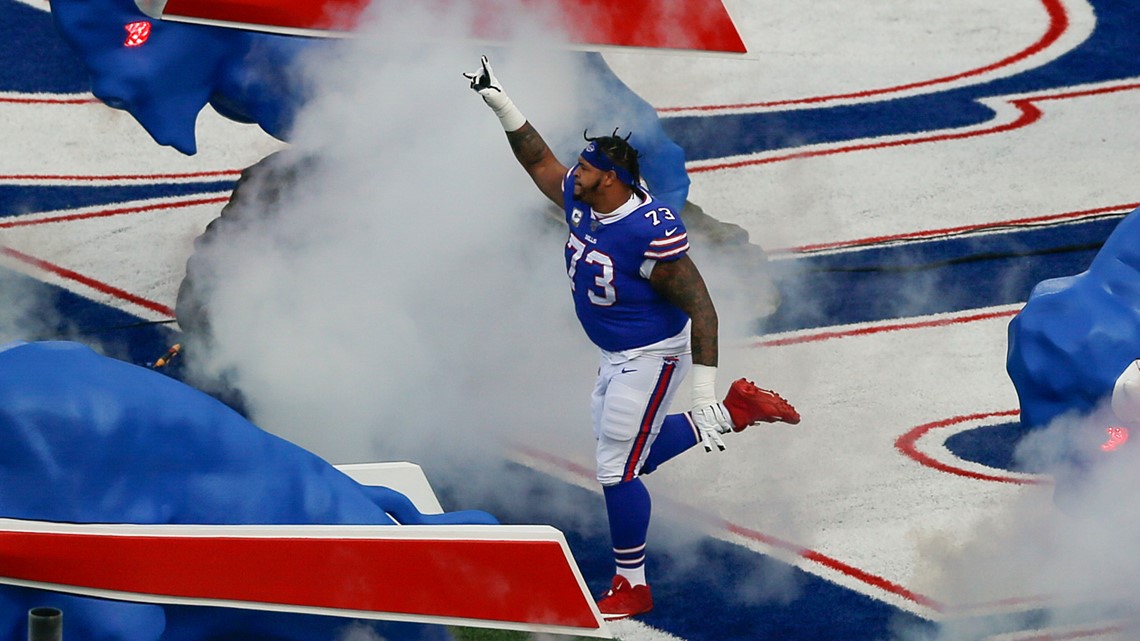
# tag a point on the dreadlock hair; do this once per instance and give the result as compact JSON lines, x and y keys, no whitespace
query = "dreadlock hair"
{"x":620,"y":151}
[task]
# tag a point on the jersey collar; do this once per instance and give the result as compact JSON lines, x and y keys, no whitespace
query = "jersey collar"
{"x":622,"y":211}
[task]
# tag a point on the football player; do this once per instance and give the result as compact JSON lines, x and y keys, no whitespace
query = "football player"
{"x":642,"y":301}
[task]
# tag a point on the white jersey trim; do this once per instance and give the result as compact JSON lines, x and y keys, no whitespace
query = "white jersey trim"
{"x":622,"y":211}
{"x":673,"y":346}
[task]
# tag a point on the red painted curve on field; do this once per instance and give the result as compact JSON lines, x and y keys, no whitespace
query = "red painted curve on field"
{"x":907,"y":444}
{"x":1057,"y":26}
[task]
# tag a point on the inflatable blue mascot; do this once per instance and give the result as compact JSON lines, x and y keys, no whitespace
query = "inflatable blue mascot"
{"x":1069,"y":346}
{"x":164,"y":73}
{"x":90,"y":439}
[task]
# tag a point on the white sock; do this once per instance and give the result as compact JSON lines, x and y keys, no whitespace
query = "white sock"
{"x":635,"y":576}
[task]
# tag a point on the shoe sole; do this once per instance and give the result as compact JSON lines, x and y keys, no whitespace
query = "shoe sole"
{"x":618,"y":617}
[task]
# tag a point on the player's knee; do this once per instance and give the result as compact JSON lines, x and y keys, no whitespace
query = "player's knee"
{"x":609,"y":479}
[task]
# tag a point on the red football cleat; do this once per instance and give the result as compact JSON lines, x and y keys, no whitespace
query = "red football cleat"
{"x":748,"y":405}
{"x":624,"y":600}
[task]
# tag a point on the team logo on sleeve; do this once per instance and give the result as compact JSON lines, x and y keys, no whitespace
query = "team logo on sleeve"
{"x":576,"y":217}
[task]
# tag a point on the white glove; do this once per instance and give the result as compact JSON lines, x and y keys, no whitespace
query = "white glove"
{"x":712,"y":421}
{"x":710,"y":416}
{"x":484,"y":83}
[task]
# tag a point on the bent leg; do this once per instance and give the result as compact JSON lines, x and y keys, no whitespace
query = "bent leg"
{"x":677,"y":435}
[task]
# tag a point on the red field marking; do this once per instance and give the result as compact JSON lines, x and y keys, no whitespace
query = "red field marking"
{"x":963,"y":229}
{"x":1058,"y":25}
{"x":74,"y":276}
{"x":48,"y":100}
{"x":66,"y":218}
{"x":221,"y":173}
{"x":836,"y":565}
{"x":1029,"y":114}
{"x":684,"y":24}
{"x":1026,"y":107}
{"x":908,"y":445}
{"x":881,"y":328}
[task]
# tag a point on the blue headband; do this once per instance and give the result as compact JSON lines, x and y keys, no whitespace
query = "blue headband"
{"x":599,"y":159}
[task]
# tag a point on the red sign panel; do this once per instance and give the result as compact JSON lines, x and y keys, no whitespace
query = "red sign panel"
{"x":484,"y":576}
{"x":663,"y":24}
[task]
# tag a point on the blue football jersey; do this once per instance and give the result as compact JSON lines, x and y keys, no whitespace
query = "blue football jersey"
{"x":616,"y":305}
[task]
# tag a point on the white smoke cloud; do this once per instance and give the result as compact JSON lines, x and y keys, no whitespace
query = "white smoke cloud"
{"x":29,"y":311}
{"x":407,"y":300}
{"x":1059,"y":557}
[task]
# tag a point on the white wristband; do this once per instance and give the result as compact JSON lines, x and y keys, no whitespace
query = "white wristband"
{"x":704,"y":385}
{"x":510,"y":116}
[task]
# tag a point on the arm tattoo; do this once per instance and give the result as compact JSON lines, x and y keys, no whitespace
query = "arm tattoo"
{"x":538,"y":160}
{"x":528,"y":145}
{"x":681,"y":283}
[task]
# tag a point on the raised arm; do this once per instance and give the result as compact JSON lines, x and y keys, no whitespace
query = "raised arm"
{"x":529,"y":148}
{"x":536,"y":158}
